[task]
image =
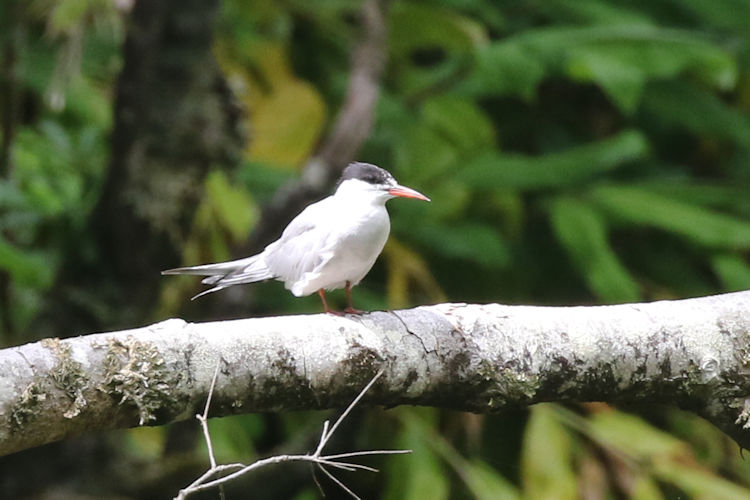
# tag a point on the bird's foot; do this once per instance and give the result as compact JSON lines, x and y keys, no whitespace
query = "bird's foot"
{"x":335,"y":313}
{"x":351,"y":310}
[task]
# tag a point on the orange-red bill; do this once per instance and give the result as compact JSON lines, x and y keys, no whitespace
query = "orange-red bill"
{"x":405,"y":192}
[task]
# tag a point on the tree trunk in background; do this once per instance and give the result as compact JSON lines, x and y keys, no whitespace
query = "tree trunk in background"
{"x":174,"y":119}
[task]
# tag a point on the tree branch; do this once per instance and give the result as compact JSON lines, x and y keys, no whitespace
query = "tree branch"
{"x":692,"y":353}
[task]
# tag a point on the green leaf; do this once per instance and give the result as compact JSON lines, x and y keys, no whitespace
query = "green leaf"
{"x":486,"y":483}
{"x":482,"y":480}
{"x":459,"y":121}
{"x":232,"y":205}
{"x":634,"y":436}
{"x":567,"y":168}
{"x":582,"y":232}
{"x":698,"y":482}
{"x":32,"y":269}
{"x":287,"y":122}
{"x":146,"y":442}
{"x":420,"y":475}
{"x":622,"y":80}
{"x":732,"y":270}
{"x":233,"y":437}
{"x":428,"y":45}
{"x":645,"y":488}
{"x":505,"y":68}
{"x":422,"y":151}
{"x":473,"y":242}
{"x":620,"y":58}
{"x":731,"y":197}
{"x":622,"y":67}
{"x":413,"y":25}
{"x":448,"y":128}
{"x":546,"y":459}
{"x":731,"y":14}
{"x":670,"y":459}
{"x":594,"y":12}
{"x":706,"y":115}
{"x":703,"y":226}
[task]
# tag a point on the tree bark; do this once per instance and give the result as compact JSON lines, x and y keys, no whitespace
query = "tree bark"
{"x":175,"y":119}
{"x":483,"y":358}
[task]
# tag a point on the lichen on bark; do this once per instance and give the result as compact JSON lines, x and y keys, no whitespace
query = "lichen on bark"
{"x":68,"y":375}
{"x":135,"y":372}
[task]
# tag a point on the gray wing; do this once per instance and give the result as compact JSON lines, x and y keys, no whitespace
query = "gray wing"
{"x":303,"y":247}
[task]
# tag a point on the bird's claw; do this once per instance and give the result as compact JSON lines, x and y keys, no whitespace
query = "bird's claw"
{"x":351,"y":310}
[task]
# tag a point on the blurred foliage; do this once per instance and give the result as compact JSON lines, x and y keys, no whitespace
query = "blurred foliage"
{"x":583,"y":151}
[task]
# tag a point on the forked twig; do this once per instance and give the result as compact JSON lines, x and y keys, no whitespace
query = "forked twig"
{"x":204,"y":482}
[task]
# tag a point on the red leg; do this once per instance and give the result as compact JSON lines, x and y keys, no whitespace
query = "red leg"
{"x":326,"y":309}
{"x":349,"y":309}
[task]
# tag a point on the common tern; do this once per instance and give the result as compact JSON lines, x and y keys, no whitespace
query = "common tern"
{"x":331,"y":244}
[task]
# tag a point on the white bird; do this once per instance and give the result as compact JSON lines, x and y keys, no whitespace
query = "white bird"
{"x":331,"y":244}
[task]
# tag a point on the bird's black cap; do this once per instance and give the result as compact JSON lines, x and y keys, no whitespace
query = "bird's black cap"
{"x":366,"y":172}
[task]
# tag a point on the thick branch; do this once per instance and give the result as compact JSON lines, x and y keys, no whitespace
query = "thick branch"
{"x":693,"y":353}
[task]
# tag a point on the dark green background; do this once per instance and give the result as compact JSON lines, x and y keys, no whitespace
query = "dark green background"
{"x":576,"y":152}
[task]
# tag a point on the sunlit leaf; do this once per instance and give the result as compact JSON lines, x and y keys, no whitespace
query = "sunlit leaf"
{"x":405,"y":267}
{"x":733,"y":271}
{"x":697,"y":481}
{"x":233,"y":437}
{"x":146,"y":442}
{"x":670,"y":458}
{"x":546,"y":460}
{"x":645,"y":488}
{"x":482,"y":480}
{"x":232,"y":205}
{"x":709,"y":444}
{"x":617,"y":429}
{"x":287,"y":123}
{"x":421,"y":475}
{"x":487,"y":484}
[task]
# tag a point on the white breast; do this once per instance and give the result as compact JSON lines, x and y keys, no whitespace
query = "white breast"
{"x":357,"y":237}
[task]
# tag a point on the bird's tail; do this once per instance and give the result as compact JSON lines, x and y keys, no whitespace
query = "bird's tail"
{"x":225,"y":274}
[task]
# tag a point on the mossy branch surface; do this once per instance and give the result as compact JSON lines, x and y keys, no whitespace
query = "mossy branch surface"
{"x":692,"y":353}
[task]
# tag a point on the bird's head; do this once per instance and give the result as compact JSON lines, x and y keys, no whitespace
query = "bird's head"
{"x":365,"y":179}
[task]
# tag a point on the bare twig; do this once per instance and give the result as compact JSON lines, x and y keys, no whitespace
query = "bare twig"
{"x":316,"y":458}
{"x":207,"y":435}
{"x":204,"y":419}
